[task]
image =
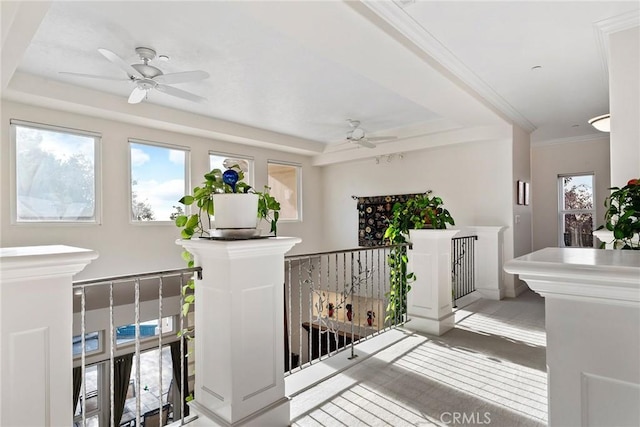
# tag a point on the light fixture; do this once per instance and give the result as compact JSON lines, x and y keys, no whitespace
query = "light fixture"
{"x":602,"y":123}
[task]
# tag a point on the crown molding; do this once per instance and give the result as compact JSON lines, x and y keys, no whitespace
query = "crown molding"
{"x":570,"y":140}
{"x":604,"y":28}
{"x":395,"y":16}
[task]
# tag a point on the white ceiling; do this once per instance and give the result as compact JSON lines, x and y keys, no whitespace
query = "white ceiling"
{"x":288,"y":74}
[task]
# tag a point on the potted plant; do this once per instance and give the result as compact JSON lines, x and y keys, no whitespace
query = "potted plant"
{"x":233,"y":203}
{"x":622,"y":216}
{"x":421,"y":211}
{"x":205,"y":197}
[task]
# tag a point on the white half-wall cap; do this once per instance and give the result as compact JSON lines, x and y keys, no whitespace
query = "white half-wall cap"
{"x":602,"y":123}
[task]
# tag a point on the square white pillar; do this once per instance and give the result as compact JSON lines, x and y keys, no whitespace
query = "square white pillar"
{"x":239,"y":322}
{"x":592,"y":320}
{"x":429,"y":303}
{"x":36,"y":332}
{"x":488,"y":253}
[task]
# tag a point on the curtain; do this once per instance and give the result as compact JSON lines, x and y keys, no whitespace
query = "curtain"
{"x":77,"y":385}
{"x":121,"y":374}
{"x":175,"y":362}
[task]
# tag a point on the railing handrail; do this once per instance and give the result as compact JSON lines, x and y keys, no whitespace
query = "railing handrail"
{"x":344,"y":251}
{"x":129,"y":277}
{"x":475,"y":237}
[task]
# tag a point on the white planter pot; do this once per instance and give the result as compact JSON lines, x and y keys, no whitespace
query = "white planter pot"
{"x":236,"y":210}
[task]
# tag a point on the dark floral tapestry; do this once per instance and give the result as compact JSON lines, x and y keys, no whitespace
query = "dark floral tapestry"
{"x":372,"y":217}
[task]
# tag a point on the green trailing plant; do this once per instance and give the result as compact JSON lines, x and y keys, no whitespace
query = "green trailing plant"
{"x":198,"y":223}
{"x":421,"y":211}
{"x":622,"y":216}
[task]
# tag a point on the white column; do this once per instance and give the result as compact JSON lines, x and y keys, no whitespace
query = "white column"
{"x":488,"y":260}
{"x":592,"y":309}
{"x":429,"y":304}
{"x":239,"y":321}
{"x":36,"y":316}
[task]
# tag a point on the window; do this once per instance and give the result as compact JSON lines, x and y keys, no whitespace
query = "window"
{"x":92,"y":343}
{"x":285,"y":183}
{"x":216,"y":161}
{"x":93,"y":383}
{"x":576,"y":210}
{"x":55,"y":174}
{"x":158,"y":181}
{"x":127,"y":333}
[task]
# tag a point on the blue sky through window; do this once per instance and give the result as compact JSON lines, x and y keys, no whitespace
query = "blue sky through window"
{"x":157,"y":175}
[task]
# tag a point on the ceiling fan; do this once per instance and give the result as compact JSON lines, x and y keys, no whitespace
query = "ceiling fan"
{"x":147,"y":77}
{"x":358,"y":136}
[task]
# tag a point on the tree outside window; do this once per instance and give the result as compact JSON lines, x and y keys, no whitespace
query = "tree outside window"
{"x":55,"y":174}
{"x":158,"y":180}
{"x":576,"y":210}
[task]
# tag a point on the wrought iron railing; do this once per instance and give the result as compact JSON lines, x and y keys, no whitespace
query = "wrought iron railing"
{"x":334,"y":300}
{"x":462,"y":268}
{"x":119,"y":321}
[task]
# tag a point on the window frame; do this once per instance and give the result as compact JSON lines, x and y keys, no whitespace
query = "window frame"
{"x":562,"y":212}
{"x":250,"y":160}
{"x":187,"y":175}
{"x":99,"y":350}
{"x":147,"y":339}
{"x":13,"y":171}
{"x":298,"y":168}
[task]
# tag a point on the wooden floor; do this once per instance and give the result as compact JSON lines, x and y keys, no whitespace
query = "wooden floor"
{"x":489,"y":370}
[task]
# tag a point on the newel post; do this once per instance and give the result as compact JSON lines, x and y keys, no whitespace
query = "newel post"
{"x":239,"y":321}
{"x":429,"y":304}
{"x":36,"y":332}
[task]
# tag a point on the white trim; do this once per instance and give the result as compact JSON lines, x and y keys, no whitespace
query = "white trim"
{"x":400,"y":20}
{"x":571,"y":139}
{"x":55,"y":128}
{"x":603,"y":29}
{"x":13,"y":179}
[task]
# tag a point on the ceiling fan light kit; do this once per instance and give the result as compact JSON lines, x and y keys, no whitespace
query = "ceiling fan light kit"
{"x":358,"y":136}
{"x":602,"y":123}
{"x":148,"y":77}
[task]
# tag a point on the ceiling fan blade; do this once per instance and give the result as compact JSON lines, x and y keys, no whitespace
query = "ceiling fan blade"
{"x":365,"y":143}
{"x":381,"y":138}
{"x":180,"y":93}
{"x":131,"y":72}
{"x":93,"y":76}
{"x":182,"y":77}
{"x":137,"y":95}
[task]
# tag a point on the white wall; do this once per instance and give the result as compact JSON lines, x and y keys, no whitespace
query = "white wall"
{"x":522,"y":219}
{"x":474,"y":180}
{"x":550,"y":160}
{"x":124,"y":247}
{"x":521,"y":222}
{"x":624,"y":100}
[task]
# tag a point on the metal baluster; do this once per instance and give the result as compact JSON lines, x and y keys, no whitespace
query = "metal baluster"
{"x":300,"y":290}
{"x":160,"y":402}
{"x":137,"y":345}
{"x":182,"y":379}
{"x":353,"y":307}
{"x":310,"y":339}
{"x":112,"y":346}
{"x":289,"y":315}
{"x":335,"y":261}
{"x":83,"y":355}
{"x":379,"y":300}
